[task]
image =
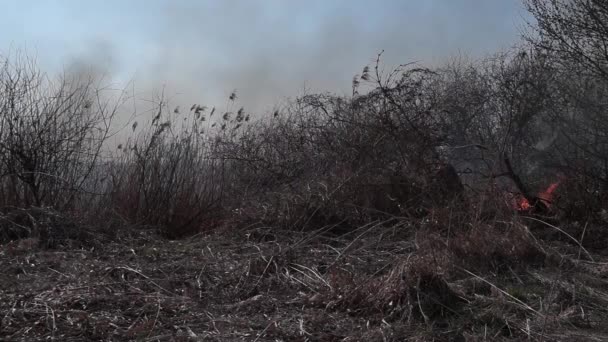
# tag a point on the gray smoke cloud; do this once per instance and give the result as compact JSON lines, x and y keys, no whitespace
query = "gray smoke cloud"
{"x":271,"y":50}
{"x":199,"y":51}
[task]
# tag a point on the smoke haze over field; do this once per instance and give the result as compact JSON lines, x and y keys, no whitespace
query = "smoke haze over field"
{"x":266,"y":49}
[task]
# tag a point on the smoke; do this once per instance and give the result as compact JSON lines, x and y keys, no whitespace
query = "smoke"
{"x":200,"y":51}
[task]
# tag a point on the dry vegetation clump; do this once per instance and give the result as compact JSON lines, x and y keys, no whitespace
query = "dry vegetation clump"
{"x":49,"y":228}
{"x":412,"y":290}
{"x":499,"y":246}
{"x":166,"y":176}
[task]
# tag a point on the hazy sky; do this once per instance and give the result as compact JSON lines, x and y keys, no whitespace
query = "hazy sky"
{"x":266,"y":49}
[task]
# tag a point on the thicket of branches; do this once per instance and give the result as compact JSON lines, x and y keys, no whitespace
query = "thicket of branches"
{"x":52,"y":132}
{"x":464,"y":136}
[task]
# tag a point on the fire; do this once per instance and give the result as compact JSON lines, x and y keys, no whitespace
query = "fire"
{"x":521,"y":203}
{"x":546,"y":196}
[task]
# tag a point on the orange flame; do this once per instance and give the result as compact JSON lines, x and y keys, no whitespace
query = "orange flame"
{"x":546,"y":196}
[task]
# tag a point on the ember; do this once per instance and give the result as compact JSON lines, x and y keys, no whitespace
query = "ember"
{"x":521,"y":203}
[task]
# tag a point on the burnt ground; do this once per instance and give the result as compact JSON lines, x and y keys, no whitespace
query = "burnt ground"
{"x":378,"y":283}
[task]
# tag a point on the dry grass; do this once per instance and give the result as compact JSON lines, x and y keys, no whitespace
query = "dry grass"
{"x":265,"y":284}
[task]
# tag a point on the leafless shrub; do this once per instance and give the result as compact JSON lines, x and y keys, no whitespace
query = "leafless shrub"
{"x":572,"y":35}
{"x":326,"y":159}
{"x":51,"y":135}
{"x":574,"y":31}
